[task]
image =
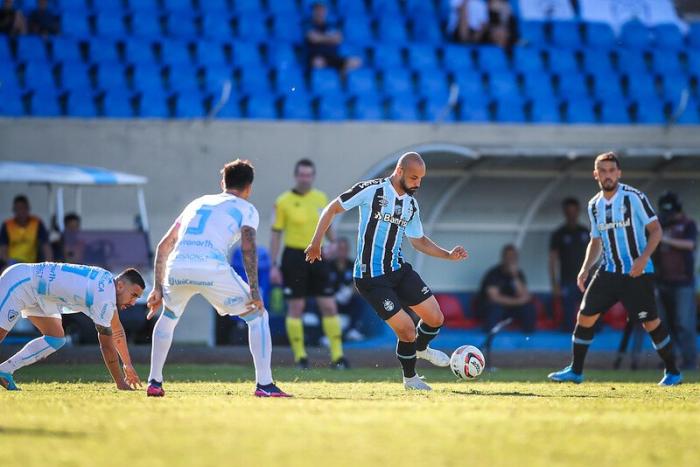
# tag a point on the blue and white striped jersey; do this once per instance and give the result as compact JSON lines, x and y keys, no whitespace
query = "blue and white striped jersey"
{"x":621,"y":225}
{"x":384,"y":218}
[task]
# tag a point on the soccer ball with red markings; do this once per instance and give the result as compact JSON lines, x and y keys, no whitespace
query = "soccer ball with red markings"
{"x":467,"y":362}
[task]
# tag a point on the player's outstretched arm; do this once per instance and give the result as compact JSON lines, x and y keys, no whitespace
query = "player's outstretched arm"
{"x":163,"y":250}
{"x":110,"y":356}
{"x":595,"y":247}
{"x":119,"y":338}
{"x":249,"y":250}
{"x":313,"y":251}
{"x":427,"y":246}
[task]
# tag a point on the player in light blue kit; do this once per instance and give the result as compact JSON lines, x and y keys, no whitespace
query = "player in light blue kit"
{"x":42,"y":292}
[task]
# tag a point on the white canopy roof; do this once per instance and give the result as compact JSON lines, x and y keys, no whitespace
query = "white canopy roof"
{"x":64,"y":174}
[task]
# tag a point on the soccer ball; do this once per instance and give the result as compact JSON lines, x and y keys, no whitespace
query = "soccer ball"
{"x":467,"y":362}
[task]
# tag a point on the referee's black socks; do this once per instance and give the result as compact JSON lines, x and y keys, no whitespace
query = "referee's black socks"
{"x":424,"y":334}
{"x":406,"y":352}
{"x":664,"y":347}
{"x":582,"y":339}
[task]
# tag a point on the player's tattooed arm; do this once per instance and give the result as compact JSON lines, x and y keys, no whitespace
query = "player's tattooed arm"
{"x":250,"y":260}
{"x":110,"y":355}
{"x":165,"y":247}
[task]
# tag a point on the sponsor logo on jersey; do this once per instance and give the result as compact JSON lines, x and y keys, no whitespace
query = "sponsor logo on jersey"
{"x":201,"y":243}
{"x":370,"y":183}
{"x":387,"y":217}
{"x":388,"y":305}
{"x":614,"y":225}
{"x":175,"y":281}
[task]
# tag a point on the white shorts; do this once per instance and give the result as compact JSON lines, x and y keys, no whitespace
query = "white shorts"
{"x":218,"y":284}
{"x":18,"y":298}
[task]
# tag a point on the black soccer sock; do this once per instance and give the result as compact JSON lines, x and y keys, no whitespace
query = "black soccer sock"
{"x":581,"y":339}
{"x":406,"y":351}
{"x":425,"y":334}
{"x":664,"y":347}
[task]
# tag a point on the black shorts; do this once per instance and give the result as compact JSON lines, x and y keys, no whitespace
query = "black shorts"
{"x":635,"y":293}
{"x":393,"y":291}
{"x":302,"y":279}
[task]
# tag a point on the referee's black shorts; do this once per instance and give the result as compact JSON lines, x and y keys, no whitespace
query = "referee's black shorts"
{"x":635,"y":293}
{"x":393,"y":291}
{"x":302,"y":279}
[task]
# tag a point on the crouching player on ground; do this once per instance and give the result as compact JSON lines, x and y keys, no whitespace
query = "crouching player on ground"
{"x":41,"y":292}
{"x":387,"y":211}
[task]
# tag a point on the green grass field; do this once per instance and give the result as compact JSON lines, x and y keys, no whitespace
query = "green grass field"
{"x":70,"y":416}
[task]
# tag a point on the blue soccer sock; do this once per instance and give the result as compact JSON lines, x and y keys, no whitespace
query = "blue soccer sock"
{"x":35,"y":350}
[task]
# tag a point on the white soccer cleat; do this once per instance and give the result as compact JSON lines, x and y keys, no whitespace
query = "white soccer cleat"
{"x":435,"y":357}
{"x":415,"y":383}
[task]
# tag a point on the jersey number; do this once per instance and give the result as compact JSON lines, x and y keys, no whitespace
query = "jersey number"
{"x":203,"y":214}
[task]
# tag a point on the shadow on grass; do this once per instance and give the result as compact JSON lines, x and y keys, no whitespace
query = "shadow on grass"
{"x":475,"y":392}
{"x":43,"y":432}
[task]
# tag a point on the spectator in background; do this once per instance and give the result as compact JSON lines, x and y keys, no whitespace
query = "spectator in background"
{"x":469,"y":21}
{"x":23,"y":238}
{"x":43,"y":21}
{"x":504,"y":294}
{"x":567,"y":250}
{"x":501,"y":26}
{"x":67,"y":247}
{"x":323,"y":41}
{"x":346,"y":296}
{"x":12,"y":20}
{"x":675,"y":261}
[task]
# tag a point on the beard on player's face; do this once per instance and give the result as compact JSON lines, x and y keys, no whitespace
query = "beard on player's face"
{"x":608,"y":184}
{"x":404,"y":186}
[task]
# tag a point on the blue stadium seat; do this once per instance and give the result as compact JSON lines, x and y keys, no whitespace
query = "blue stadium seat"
{"x":566,"y":34}
{"x":153,"y":105}
{"x":641,"y":87}
{"x":5,"y":53}
{"x":597,"y":61}
{"x":332,"y":108}
{"x":527,"y":59}
{"x":231,"y":109}
{"x":635,"y":35}
{"x":254,"y":80}
{"x":344,"y":8}
{"x":572,"y":85}
{"x":470,"y":84}
{"x":666,"y":61}
{"x":491,"y":58}
{"x":11,"y":104}
{"x":110,"y":75}
{"x":353,"y":50}
{"x":138,"y":51}
{"x":211,"y":53}
{"x":503,"y":85}
{"x":421,"y":57}
{"x":146,"y":26}
{"x":72,"y":5}
{"x":252,"y":27}
{"x":44,"y":103}
{"x":358,"y":30}
{"x":38,"y":76}
{"x":387,"y":57}
{"x":290,"y":80}
{"x":183,"y":79}
{"x":674,"y":85}
{"x":244,"y":6}
{"x":562,"y":61}
{"x":668,"y":36}
{"x":694,"y":62}
{"x":457,"y":58}
{"x":533,"y":32}
{"x":607,"y":86}
{"x":147,"y":77}
{"x":432,"y":84}
{"x":368,"y":108}
{"x":631,"y":62}
{"x":509,"y":110}
{"x":216,"y":26}
{"x":580,"y":110}
{"x":177,"y":6}
{"x":181,"y":26}
{"x":690,"y":115}
{"x":284,"y":7}
{"x":103,"y":50}
{"x":474,"y":111}
{"x":361,"y":82}
{"x":282,"y":56}
{"x":140,"y":7}
{"x":286,"y":28}
{"x":110,"y":24}
{"x":403,"y":109}
{"x":75,"y":24}
{"x":397,"y":81}
{"x":111,"y":6}
{"x":215,"y":79}
{"x":65,"y":49}
{"x":246,"y":54}
{"x":538,"y":85}
{"x":189,"y":105}
{"x":614,"y":112}
{"x":434,"y":111}
{"x":296,"y":107}
{"x":75,"y":77}
{"x":31,"y":49}
{"x":8,"y":77}
{"x":694,"y":35}
{"x":650,"y":111}
{"x":426,"y":29}
{"x":261,"y":107}
{"x":325,"y":81}
{"x":599,"y":35}
{"x":392,"y":30}
{"x":175,"y":52}
{"x":117,"y":103}
{"x":80,"y":105}
{"x":545,"y":111}
{"x":385,"y":7}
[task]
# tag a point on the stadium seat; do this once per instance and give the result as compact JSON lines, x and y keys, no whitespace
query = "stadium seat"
{"x":65,"y":49}
{"x":562,"y":61}
{"x":80,"y":105}
{"x":110,"y":24}
{"x":287,"y":29}
{"x":631,"y":62}
{"x":470,"y":84}
{"x":75,"y":24}
{"x":641,"y":87}
{"x":694,"y":35}
{"x":252,"y":27}
{"x":138,"y":7}
{"x":183,"y":79}
{"x":384,"y":7}
{"x":5,"y":53}
{"x":693,"y":65}
{"x":403,"y":109}
{"x":147,"y":77}
{"x":599,"y":35}
{"x":397,"y":81}
{"x":476,"y":110}
{"x":392,"y":30}
{"x":44,"y":103}
{"x":138,"y":51}
{"x":254,"y":80}
{"x":368,"y":108}
{"x":38,"y":76}
{"x":216,"y":26}
{"x":246,"y":54}
{"x":422,"y":57}
{"x":11,"y":105}
{"x":72,"y":5}
{"x":580,"y":111}
{"x":457,"y":58}
{"x":607,"y":86}
{"x":426,"y":29}
{"x":111,"y":6}
{"x":666,"y":61}
{"x":668,"y":36}
{"x":332,"y":108}
{"x":545,"y":111}
{"x":504,"y":85}
{"x":31,"y":49}
{"x":153,"y":106}
{"x":75,"y":77}
{"x":215,"y":79}
{"x":8,"y":77}
{"x":296,"y":107}
{"x":572,"y":85}
{"x":103,"y":50}
{"x":281,"y":56}
{"x":146,"y":26}
{"x":566,"y":34}
{"x":325,"y":81}
{"x":437,"y":111}
{"x":673,"y":86}
{"x":175,"y":52}
{"x":533,"y":32}
{"x":261,"y":107}
{"x":509,"y":110}
{"x":344,"y":8}
{"x":635,"y":34}
{"x":283,"y":7}
{"x":290,"y":80}
{"x":650,"y":111}
{"x":181,"y":26}
{"x":689,"y":115}
{"x":527,"y":59}
{"x":178,"y":6}
{"x":597,"y":61}
{"x":614,"y":112}
{"x":491,"y":58}
{"x":433,"y":83}
{"x":361,"y":82}
{"x":538,"y":85}
{"x":189,"y":105}
{"x":358,"y":30}
{"x":247,"y":6}
{"x":387,"y":57}
{"x":210,"y":53}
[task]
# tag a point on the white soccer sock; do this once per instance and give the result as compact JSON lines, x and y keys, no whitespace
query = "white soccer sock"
{"x":260,"y":343}
{"x":35,"y":350}
{"x":161,"y":340}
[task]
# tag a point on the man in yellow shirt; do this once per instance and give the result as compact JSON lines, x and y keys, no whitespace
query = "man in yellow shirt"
{"x":23,"y":238}
{"x":296,"y":214}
